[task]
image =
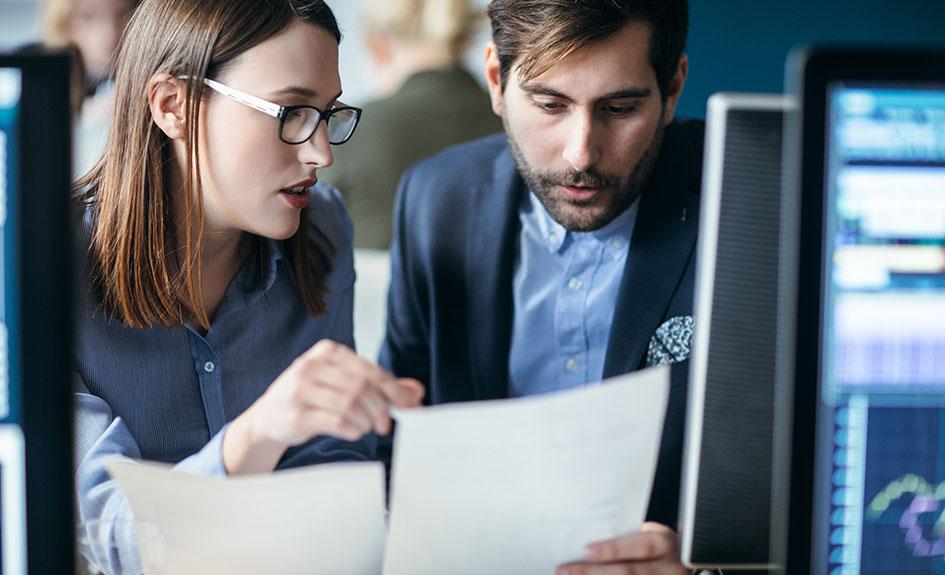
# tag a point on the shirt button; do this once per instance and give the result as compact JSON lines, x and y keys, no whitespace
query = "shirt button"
{"x":575,"y":284}
{"x":571,"y":365}
{"x":553,"y":239}
{"x":209,"y":367}
{"x":616,"y":244}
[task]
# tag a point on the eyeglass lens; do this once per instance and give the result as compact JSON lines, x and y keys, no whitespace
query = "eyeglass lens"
{"x":299,"y":125}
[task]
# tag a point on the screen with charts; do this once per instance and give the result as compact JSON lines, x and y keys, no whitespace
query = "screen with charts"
{"x":884,"y":331}
{"x":12,"y":463}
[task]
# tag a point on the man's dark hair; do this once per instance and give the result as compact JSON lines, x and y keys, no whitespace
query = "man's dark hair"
{"x":532,"y":35}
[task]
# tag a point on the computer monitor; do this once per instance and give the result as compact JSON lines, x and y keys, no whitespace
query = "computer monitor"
{"x":726,"y":497}
{"x":36,"y":500}
{"x":868,"y":465}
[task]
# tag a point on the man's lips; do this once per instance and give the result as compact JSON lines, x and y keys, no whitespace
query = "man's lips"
{"x":578,"y":193}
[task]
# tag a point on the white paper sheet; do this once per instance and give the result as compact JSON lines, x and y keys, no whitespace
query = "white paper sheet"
{"x":325,"y":519}
{"x":520,"y":486}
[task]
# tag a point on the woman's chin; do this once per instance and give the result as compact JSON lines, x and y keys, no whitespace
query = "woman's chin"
{"x":282,"y":230}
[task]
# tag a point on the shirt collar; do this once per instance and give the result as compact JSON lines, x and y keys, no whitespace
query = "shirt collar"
{"x":262,"y":268}
{"x":554,"y":236}
{"x":275,"y":252}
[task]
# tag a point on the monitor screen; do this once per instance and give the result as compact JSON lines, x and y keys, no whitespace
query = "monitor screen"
{"x":883,"y":322}
{"x":12,"y":456}
{"x":867,"y":475}
{"x":36,"y":500}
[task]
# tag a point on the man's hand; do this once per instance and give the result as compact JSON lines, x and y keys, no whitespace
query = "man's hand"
{"x":654,"y":550}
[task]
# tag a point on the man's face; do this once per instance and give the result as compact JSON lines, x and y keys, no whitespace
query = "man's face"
{"x":586,"y":132}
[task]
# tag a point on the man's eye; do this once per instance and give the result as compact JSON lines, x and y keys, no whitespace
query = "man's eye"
{"x":614,"y":110}
{"x":548,"y":106}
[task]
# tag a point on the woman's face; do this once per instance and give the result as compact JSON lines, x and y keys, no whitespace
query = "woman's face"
{"x":246,"y":169}
{"x":95,"y":26}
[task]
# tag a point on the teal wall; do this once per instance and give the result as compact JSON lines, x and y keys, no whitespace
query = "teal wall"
{"x":740,"y":45}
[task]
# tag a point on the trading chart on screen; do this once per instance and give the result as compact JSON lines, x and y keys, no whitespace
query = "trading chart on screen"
{"x":884,"y":358}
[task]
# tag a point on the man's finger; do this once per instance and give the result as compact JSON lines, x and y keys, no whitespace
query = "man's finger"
{"x":637,"y":568}
{"x":640,"y":546}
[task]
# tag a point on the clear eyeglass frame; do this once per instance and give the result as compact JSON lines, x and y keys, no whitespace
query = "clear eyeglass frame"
{"x":297,"y":124}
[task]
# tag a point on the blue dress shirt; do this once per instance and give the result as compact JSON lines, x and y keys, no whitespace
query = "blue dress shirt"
{"x":565,"y":289}
{"x":167,"y":394}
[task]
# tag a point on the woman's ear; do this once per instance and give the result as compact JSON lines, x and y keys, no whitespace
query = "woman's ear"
{"x":167,"y":99}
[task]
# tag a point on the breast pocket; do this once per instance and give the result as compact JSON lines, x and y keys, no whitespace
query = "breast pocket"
{"x":671,"y":342}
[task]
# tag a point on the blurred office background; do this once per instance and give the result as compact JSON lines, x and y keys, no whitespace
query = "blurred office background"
{"x":734,"y":45}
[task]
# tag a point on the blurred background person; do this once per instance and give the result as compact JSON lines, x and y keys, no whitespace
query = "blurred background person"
{"x":428,"y":102}
{"x":92,"y":28}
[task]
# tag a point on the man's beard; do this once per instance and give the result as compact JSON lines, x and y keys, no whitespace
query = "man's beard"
{"x":585,"y":216}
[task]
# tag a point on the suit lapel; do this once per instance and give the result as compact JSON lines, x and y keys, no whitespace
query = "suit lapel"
{"x":490,"y":257}
{"x":663,"y":240}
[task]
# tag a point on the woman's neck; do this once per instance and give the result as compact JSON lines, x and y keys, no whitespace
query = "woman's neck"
{"x":222,"y":252}
{"x":222,"y":257}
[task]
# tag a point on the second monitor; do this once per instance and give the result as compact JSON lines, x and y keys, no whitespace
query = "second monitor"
{"x":725,"y":505}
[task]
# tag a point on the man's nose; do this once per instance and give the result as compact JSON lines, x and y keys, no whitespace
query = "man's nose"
{"x":582,"y":150}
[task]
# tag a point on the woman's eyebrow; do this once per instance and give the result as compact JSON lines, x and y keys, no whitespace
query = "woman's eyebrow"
{"x":299,"y":92}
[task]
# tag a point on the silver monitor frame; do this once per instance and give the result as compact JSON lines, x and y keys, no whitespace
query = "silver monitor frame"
{"x":718,"y":109}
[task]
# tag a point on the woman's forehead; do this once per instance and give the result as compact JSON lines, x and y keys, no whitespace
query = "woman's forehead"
{"x":301,"y":55}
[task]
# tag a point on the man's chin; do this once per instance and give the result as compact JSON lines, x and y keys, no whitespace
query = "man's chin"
{"x":577,"y":218}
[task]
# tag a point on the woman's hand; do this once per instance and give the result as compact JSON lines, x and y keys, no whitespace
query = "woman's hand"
{"x":328,"y":390}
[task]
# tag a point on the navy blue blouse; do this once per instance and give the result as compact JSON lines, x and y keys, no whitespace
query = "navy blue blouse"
{"x":167,"y":394}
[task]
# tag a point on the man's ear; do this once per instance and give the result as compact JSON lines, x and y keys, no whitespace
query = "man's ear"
{"x":167,"y":100}
{"x":494,"y":78}
{"x":674,"y":89}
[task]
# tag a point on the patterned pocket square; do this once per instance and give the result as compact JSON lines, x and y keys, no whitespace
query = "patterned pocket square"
{"x":671,"y":342}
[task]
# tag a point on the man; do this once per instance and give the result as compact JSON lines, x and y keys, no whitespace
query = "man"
{"x":562,"y":252}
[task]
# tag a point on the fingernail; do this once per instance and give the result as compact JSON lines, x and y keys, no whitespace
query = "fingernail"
{"x":593,"y":553}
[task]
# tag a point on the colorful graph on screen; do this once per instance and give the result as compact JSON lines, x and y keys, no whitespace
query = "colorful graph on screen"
{"x":884,"y":357}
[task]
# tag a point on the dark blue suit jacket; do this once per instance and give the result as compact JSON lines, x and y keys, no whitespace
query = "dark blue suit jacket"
{"x":450,"y":303}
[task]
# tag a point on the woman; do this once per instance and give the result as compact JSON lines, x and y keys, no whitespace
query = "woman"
{"x":213,"y":261}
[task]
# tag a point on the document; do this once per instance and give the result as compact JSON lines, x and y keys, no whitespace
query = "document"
{"x":325,"y":519}
{"x":520,"y":486}
{"x":514,"y":486}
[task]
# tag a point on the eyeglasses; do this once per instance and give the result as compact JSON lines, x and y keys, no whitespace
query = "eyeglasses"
{"x":297,"y":124}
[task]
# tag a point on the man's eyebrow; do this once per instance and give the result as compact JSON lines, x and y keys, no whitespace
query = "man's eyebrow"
{"x":539,"y":89}
{"x":625,"y":93}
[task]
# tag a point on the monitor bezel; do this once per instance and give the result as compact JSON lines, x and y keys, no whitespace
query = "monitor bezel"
{"x":813,"y":73}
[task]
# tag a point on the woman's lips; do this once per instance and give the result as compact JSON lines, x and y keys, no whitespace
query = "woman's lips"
{"x":295,"y":200}
{"x":302,"y":184}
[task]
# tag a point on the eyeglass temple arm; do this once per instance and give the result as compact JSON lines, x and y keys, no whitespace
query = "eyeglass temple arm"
{"x":263,"y":106}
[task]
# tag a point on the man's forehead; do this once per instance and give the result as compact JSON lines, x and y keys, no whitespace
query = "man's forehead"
{"x":620,"y":62}
{"x":626,"y":51}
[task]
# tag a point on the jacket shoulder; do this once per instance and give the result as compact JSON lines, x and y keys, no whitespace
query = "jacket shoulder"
{"x":470,"y":163}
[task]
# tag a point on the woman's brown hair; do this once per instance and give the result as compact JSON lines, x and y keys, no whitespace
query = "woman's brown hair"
{"x":144,"y":273}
